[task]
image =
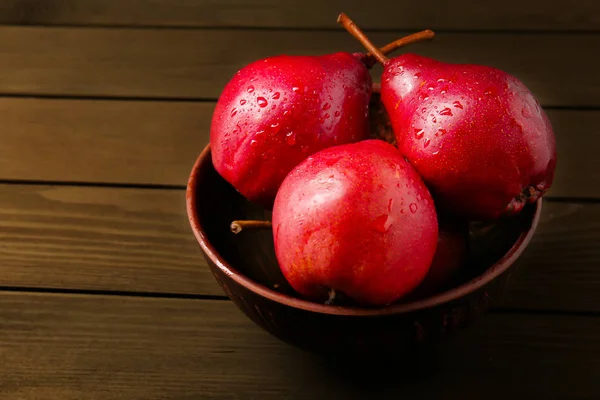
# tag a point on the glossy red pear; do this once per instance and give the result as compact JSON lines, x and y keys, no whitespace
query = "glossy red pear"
{"x":277,"y":111}
{"x":476,"y":134}
{"x":355,"y":219}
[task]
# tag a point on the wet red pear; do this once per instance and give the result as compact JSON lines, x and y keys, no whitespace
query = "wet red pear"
{"x":355,"y":219}
{"x":277,"y":111}
{"x":476,"y":134}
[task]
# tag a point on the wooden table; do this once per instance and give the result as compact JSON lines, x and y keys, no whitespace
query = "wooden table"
{"x":104,"y":292}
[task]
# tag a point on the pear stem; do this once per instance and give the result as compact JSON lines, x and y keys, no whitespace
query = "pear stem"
{"x":355,"y":31}
{"x":427,"y":34}
{"x":239,"y":225}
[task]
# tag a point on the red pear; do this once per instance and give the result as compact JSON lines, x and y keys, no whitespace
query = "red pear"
{"x":356,"y":219}
{"x":476,"y":134}
{"x":277,"y":111}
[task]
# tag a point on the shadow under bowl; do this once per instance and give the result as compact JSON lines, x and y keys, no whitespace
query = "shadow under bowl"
{"x":246,"y":268}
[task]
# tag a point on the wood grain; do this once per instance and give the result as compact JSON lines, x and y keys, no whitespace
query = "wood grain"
{"x":95,"y":347}
{"x":582,"y":15}
{"x":102,"y":141}
{"x":99,"y":239}
{"x":139,"y":240}
{"x":198,"y":63}
{"x":153,"y":142}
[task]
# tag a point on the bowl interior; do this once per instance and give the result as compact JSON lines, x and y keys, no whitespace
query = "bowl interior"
{"x":249,"y":256}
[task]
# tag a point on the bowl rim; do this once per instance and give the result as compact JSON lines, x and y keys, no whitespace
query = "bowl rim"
{"x":447,"y":296}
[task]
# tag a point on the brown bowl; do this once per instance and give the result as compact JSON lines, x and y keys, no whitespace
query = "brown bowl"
{"x":245,"y":267}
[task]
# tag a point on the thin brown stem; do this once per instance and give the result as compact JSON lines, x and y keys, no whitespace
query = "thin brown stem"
{"x":427,"y":34}
{"x":406,"y":40}
{"x":239,"y":225}
{"x":355,"y":31}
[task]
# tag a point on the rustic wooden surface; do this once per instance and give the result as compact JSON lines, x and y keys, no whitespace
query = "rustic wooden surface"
{"x":57,"y":346}
{"x":104,"y":293}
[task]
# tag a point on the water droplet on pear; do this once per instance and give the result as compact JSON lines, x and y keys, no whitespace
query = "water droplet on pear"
{"x":262,"y":102}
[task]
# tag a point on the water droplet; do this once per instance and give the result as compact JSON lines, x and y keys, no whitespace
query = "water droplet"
{"x":337,"y":113}
{"x":427,"y":141}
{"x":275,"y":127}
{"x":441,"y":80}
{"x":290,"y":138}
{"x":435,"y":153}
{"x":326,"y":106}
{"x":262,"y":102}
{"x":423,"y":109}
{"x":242,"y":102}
{"x":254,"y":143}
{"x":442,"y":132}
{"x":457,"y":104}
{"x":250,"y":89}
{"x":233,"y":112}
{"x":276,"y":95}
{"x":413,"y":208}
{"x":419,"y":133}
{"x":446,"y":111}
{"x":390,"y":204}
{"x":327,"y":116}
{"x":491,"y":91}
{"x":286,"y":112}
{"x":295,"y":89}
{"x":381,"y":223}
{"x":434,"y":120}
{"x":526,"y":111}
{"x":443,"y":91}
{"x":430,"y":88}
{"x":418,"y":74}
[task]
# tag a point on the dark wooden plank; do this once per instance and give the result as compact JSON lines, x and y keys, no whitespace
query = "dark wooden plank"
{"x":157,"y":142}
{"x":382,"y":14}
{"x":100,"y":239}
{"x":560,"y":268}
{"x":198,"y":63}
{"x":95,"y":347}
{"x":102,"y":141}
{"x":140,"y":241}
